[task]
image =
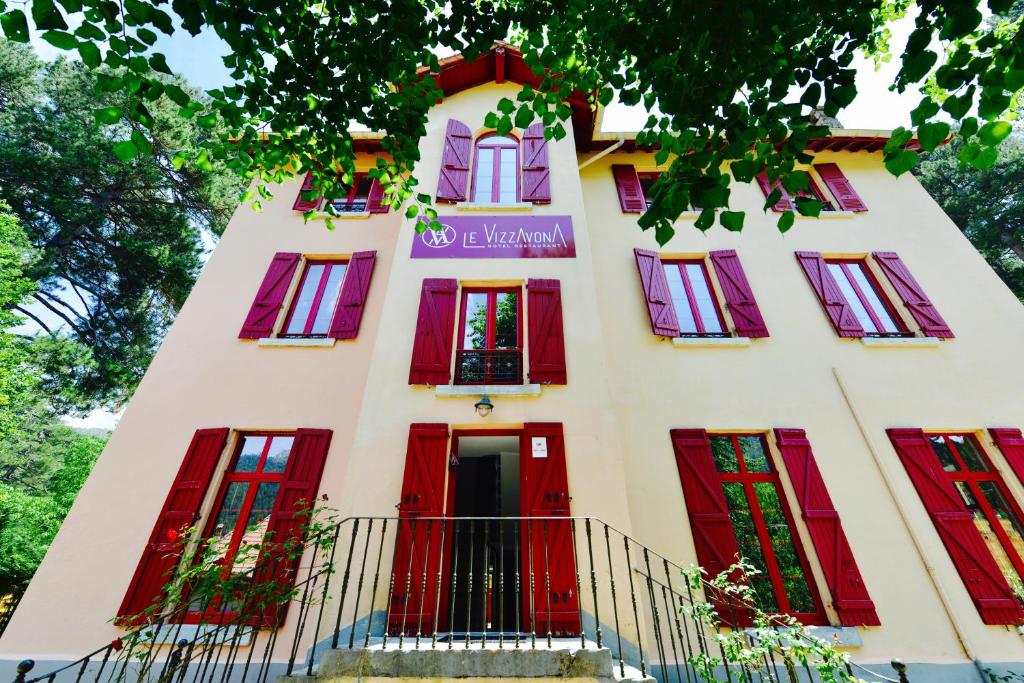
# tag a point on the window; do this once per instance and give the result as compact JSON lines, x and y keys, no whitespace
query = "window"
{"x":496,"y":170}
{"x":247,"y":497}
{"x":995,"y":513}
{"x":764,"y":528}
{"x":861,"y":291}
{"x":647,"y":181}
{"x":490,"y":337}
{"x":694,"y":299}
{"x":358,"y":196}
{"x":316,"y":299}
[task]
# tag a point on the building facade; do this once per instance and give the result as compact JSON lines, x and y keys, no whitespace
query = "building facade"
{"x":840,"y":404}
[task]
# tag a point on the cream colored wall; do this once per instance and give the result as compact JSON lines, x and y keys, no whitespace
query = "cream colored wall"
{"x":626,"y":388}
{"x":790,"y":380}
{"x":202,"y":376}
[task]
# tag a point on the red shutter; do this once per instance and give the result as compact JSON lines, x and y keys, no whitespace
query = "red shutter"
{"x":849,"y":594}
{"x":746,"y":316}
{"x":352,"y":298}
{"x":536,"y":170}
{"x":544,"y":492}
{"x":914,"y":298}
{"x":955,"y":526}
{"x":831,"y":297}
{"x":306,"y":204}
{"x":840,"y":187}
{"x":435,"y":331}
{"x":451,"y":183}
{"x":631,"y":195}
{"x":180,"y":510}
{"x":1011,"y":444}
{"x":714,"y":538}
{"x":547,"y":342}
{"x":785,"y":203}
{"x":280,"y":556}
{"x":422,"y":496}
{"x":263,"y":313}
{"x":656,"y":293}
{"x":375,"y":200}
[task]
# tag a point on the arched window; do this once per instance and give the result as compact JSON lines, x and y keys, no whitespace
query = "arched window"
{"x":496,"y":170}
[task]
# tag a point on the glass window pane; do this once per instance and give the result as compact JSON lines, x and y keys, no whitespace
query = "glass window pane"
{"x":249,"y":456}
{"x":946,"y":457}
{"x":256,"y":526}
{"x":875,"y":301}
{"x":329,"y":300}
{"x":277,"y":456}
{"x":647,"y":181}
{"x":750,"y":545}
{"x":482,"y":182}
{"x":851,"y":297}
{"x":507,"y":335}
{"x":508,"y":179}
{"x":798,"y":590}
{"x":227,"y":517}
{"x":677,"y":290}
{"x":724,"y":454}
{"x":499,"y":140}
{"x":304,"y":301}
{"x":475,"y":334}
{"x":705,"y":300}
{"x":754,"y":456}
{"x":1009,"y":523}
{"x":972,"y":457}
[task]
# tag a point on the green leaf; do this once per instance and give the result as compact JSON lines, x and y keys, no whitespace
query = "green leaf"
{"x":178,"y":161}
{"x":126,"y":150}
{"x":60,"y":39}
{"x":663,"y":232}
{"x":176,"y":94}
{"x":146,"y":36}
{"x":90,"y":54}
{"x":808,"y":206}
{"x":994,"y":132}
{"x":45,"y":15}
{"x":140,"y":11}
{"x":743,"y":170}
{"x":504,"y":125}
{"x":902,"y":163}
{"x":107,"y":115}
{"x":986,"y":158}
{"x":491,"y":120}
{"x":15,"y":25}
{"x":786,"y":221}
{"x":208,"y":120}
{"x":412,"y":211}
{"x":957,"y":107}
{"x":144,"y":146}
{"x":931,"y":135}
{"x":524,"y":117}
{"x":705,"y":220}
{"x":506,"y":106}
{"x":731,"y":220}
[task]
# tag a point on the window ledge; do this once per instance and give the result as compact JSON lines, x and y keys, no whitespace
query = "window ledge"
{"x":192,"y":632}
{"x":487,"y":390}
{"x":325,"y":342}
{"x":493,"y":206}
{"x":900,"y":342}
{"x":847,"y":637}
{"x":344,"y":216}
{"x":711,"y":342}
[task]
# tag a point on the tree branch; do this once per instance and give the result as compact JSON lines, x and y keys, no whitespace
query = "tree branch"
{"x":39,"y":322}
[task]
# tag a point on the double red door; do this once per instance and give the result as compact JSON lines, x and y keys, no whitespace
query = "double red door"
{"x":423,"y":547}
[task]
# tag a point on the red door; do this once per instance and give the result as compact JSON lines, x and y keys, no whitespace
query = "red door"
{"x":553,"y":604}
{"x":418,"y":542}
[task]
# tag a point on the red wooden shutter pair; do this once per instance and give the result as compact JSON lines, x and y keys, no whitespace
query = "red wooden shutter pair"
{"x":739,"y":297}
{"x":454,"y":176}
{"x":374,"y":201}
{"x":1011,"y":443}
{"x":435,"y":332}
{"x":838,"y":310}
{"x":412,"y":602}
{"x":536,"y":168}
{"x":181,"y":510}
{"x":270,"y":297}
{"x":631,"y":195}
{"x":849,"y":594}
{"x":544,"y":492}
{"x":846,"y":197}
{"x":955,"y":525}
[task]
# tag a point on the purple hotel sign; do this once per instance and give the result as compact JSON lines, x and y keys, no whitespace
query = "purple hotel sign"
{"x":497,"y":237}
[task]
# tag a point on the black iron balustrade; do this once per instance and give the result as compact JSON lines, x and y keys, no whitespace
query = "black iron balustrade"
{"x":456,"y":584}
{"x":489,"y":366}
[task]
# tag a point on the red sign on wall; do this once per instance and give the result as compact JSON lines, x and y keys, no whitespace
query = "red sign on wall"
{"x":497,"y":237}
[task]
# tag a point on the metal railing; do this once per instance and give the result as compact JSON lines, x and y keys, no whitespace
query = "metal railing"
{"x":489,"y":366}
{"x":437,"y":583}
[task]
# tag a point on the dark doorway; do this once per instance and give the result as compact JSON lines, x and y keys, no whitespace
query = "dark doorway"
{"x":484,"y":487}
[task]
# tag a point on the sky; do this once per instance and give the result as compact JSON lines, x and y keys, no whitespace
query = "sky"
{"x":198,"y":60}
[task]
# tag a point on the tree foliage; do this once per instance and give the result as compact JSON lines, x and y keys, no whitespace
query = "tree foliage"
{"x":987,"y":205}
{"x":117,"y":240}
{"x":730,"y":84}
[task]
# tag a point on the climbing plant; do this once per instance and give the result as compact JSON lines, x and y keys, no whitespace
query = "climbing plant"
{"x":730,"y":84}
